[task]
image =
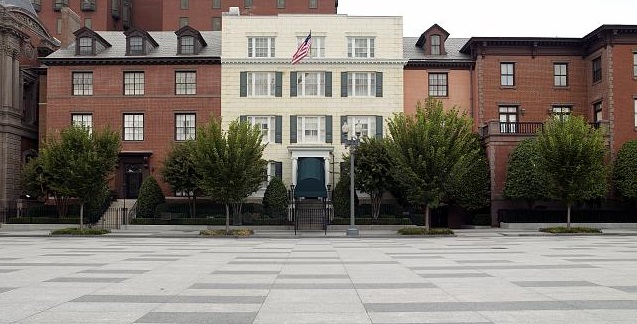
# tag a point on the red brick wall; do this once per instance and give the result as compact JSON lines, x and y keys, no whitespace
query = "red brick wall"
{"x":101,"y":17}
{"x":416,"y":88}
{"x":624,"y":94}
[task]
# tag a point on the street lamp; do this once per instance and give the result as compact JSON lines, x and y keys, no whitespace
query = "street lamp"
{"x":352,"y":142}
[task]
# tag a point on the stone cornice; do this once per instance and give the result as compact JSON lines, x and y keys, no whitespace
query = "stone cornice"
{"x":130,"y":61}
{"x":331,"y":61}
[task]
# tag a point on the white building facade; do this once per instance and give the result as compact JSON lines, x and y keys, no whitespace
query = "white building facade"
{"x":353,"y":74}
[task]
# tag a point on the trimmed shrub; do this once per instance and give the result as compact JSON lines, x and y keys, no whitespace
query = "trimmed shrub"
{"x":150,"y":195}
{"x":422,"y":231}
{"x":80,"y":232}
{"x":275,"y":199}
{"x":243,"y":232}
{"x":341,"y":196}
{"x":562,"y":229}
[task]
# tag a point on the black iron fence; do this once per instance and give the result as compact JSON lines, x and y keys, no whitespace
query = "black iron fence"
{"x":559,"y":216}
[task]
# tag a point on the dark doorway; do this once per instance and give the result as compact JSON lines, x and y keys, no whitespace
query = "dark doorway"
{"x":132,"y":181}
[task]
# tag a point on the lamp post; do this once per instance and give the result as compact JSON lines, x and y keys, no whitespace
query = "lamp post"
{"x":351,"y":142}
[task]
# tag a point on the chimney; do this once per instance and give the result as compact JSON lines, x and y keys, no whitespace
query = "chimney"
{"x":70,"y":23}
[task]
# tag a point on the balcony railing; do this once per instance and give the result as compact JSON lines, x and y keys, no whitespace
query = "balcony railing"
{"x":495,"y":127}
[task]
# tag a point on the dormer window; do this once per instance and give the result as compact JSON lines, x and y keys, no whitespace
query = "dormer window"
{"x":435,"y":45}
{"x":432,"y":41}
{"x":187,"y":45}
{"x":189,"y":41}
{"x":136,"y":45}
{"x":88,"y":42}
{"x":139,"y":42}
{"x":86,"y":46}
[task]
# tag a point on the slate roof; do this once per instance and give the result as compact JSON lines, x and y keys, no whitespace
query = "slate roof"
{"x":167,"y":48}
{"x":452,"y":46}
{"x":24,"y":4}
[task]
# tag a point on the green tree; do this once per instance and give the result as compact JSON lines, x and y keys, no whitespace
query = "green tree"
{"x":472,"y":190}
{"x":150,"y":195}
{"x":625,"y":171}
{"x":373,"y":166}
{"x":230,"y":162}
{"x":33,"y":180}
{"x":571,"y":154}
{"x":180,"y":173}
{"x":434,"y":150}
{"x":78,"y":164}
{"x":275,"y":199}
{"x":341,"y":194}
{"x":524,"y":181}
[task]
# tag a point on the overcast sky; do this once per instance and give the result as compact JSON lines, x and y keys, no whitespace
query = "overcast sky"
{"x":498,"y":18}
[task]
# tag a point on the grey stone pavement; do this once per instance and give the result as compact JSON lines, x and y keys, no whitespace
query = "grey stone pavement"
{"x":488,"y":276}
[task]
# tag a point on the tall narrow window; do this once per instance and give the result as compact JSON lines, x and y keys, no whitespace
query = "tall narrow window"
{"x":597,"y":69}
{"x":360,"y":47}
{"x":86,"y":46}
{"x":82,"y":83}
{"x":183,"y":5}
{"x":136,"y":44}
{"x":133,"y":127}
{"x":186,"y":83}
{"x":187,"y":45}
{"x":280,"y":4}
{"x":507,"y":74}
{"x":561,"y":112}
{"x":560,"y":72}
{"x":247,"y":3}
{"x":88,"y":23}
{"x":183,"y":21}
{"x":597,"y":111}
{"x":216,"y":4}
{"x":635,"y":113}
{"x":83,"y":120}
{"x":133,"y":83}
{"x":313,"y":4}
{"x":435,"y":45}
{"x":185,"y":127}
{"x":58,"y":25}
{"x":261,"y":47}
{"x":361,"y":84}
{"x":438,"y":85}
{"x":635,"y":65}
{"x":508,"y":119}
{"x":216,"y":23}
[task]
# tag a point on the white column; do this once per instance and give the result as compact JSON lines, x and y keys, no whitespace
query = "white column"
{"x":327,"y":171}
{"x":295,"y":168}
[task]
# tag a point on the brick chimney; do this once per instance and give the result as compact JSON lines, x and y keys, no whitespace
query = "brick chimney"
{"x":70,"y":23}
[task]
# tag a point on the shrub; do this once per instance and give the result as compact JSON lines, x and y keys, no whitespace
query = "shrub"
{"x":341,"y":195}
{"x":562,"y":229}
{"x":275,"y":199}
{"x":80,"y":232}
{"x":150,"y":195}
{"x":481,"y":220}
{"x":243,"y":232}
{"x":42,"y":220}
{"x":422,"y":231}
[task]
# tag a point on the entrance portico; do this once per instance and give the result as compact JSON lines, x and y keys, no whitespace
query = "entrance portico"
{"x":311,"y":170}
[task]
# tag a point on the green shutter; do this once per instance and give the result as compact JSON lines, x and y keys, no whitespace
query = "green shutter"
{"x":328,"y":84}
{"x":243,"y":87}
{"x":278,"y":129}
{"x":343,"y":135}
{"x":293,"y":84}
{"x":278,"y":170}
{"x":278,"y":87}
{"x":328,"y":128}
{"x":343,"y":84}
{"x":379,"y":126}
{"x":243,"y":118}
{"x":379,"y":84}
{"x":293,"y":129}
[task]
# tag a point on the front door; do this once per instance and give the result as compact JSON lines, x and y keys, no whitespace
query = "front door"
{"x":132,"y":181}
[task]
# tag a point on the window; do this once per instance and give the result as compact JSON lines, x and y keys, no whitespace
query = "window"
{"x":186,"y":83}
{"x":184,"y":193}
{"x":508,"y":119}
{"x":560,"y":72}
{"x":507,"y":74}
{"x":133,"y":83}
{"x":310,"y":84}
{"x":185,"y":128}
{"x":183,"y":21}
{"x":216,"y":23}
{"x":82,"y":83}
{"x":597,"y":69}
{"x":88,"y":22}
{"x":634,"y":64}
{"x":317,"y":48}
{"x":361,"y":84}
{"x":216,"y":4}
{"x":438,"y":85}
{"x":261,"y":84}
{"x":635,"y":112}
{"x":183,"y":5}
{"x":267,"y":126}
{"x":86,"y":46}
{"x":133,"y":127}
{"x":83,"y":120}
{"x":313,"y":4}
{"x":136,"y":44}
{"x":58,"y":26}
{"x":360,"y":47}
{"x":247,"y":3}
{"x":366,"y":124}
{"x":187,"y":45}
{"x":435,"y":45}
{"x":310,"y":129}
{"x":261,"y":47}
{"x":269,"y":172}
{"x":58,"y":4}
{"x":280,"y":4}
{"x":597,"y":110}
{"x":88,"y":5}
{"x":561,"y":112}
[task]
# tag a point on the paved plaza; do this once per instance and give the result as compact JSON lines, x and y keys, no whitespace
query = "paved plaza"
{"x":465,"y":279}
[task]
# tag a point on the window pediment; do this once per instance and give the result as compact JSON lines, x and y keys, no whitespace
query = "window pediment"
{"x":88,"y":42}
{"x":139,"y":42}
{"x":432,"y":41}
{"x":189,"y":41}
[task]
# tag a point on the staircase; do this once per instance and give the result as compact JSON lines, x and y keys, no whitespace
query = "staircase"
{"x":311,"y":215}
{"x":113,"y":217}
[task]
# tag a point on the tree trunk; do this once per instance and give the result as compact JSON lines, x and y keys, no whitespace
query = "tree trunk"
{"x":376,"y":201}
{"x":568,"y":215}
{"x":427,"y":212}
{"x":81,"y":215}
{"x":227,"y":218}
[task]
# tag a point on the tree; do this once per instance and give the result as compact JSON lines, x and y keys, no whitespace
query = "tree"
{"x":179,"y":171}
{"x":625,"y":171}
{"x":524,"y":180}
{"x":433,"y":149}
{"x":229,"y":162}
{"x":33,"y":180}
{"x":78,"y":164}
{"x":472,"y":190}
{"x":571,"y":155}
{"x":150,"y":195}
{"x":275,"y":199}
{"x":373,"y":166}
{"x":341,"y":194}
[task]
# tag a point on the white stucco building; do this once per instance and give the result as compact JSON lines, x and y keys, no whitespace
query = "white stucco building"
{"x":353,"y":74}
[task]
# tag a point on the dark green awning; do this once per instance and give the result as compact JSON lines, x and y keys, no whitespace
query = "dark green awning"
{"x":310,"y":178}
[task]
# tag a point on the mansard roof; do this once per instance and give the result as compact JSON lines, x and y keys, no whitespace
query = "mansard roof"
{"x":23,"y":4}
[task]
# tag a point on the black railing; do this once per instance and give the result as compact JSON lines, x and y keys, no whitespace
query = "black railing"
{"x":559,"y":216}
{"x":520,"y":127}
{"x":311,"y":215}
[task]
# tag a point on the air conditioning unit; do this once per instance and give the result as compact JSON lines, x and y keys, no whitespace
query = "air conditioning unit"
{"x":88,"y":5}
{"x":233,"y":11}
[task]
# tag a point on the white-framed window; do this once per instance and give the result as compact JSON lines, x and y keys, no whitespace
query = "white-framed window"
{"x":634,"y":64}
{"x":269,"y":172}
{"x":261,"y":46}
{"x":508,"y":119}
{"x":261,"y":84}
{"x":185,"y":127}
{"x":317,"y":49}
{"x":185,"y":82}
{"x":310,"y":129}
{"x":267,"y":126}
{"x":561,"y":112}
{"x":435,"y":45}
{"x":597,"y":111}
{"x":310,"y":84}
{"x":366,"y":125}
{"x":86,"y":46}
{"x":507,"y":74}
{"x":438,"y":85}
{"x":83,"y":120}
{"x":187,"y":45}
{"x":184,"y":193}
{"x":560,"y":74}
{"x":360,"y":47}
{"x":82,"y":83}
{"x":133,"y":127}
{"x":133,"y":83}
{"x":361,"y":84}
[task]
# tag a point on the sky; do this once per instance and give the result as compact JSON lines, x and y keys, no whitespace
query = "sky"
{"x":499,"y":18}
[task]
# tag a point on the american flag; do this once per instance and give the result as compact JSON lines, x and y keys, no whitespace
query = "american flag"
{"x":303,"y":49}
